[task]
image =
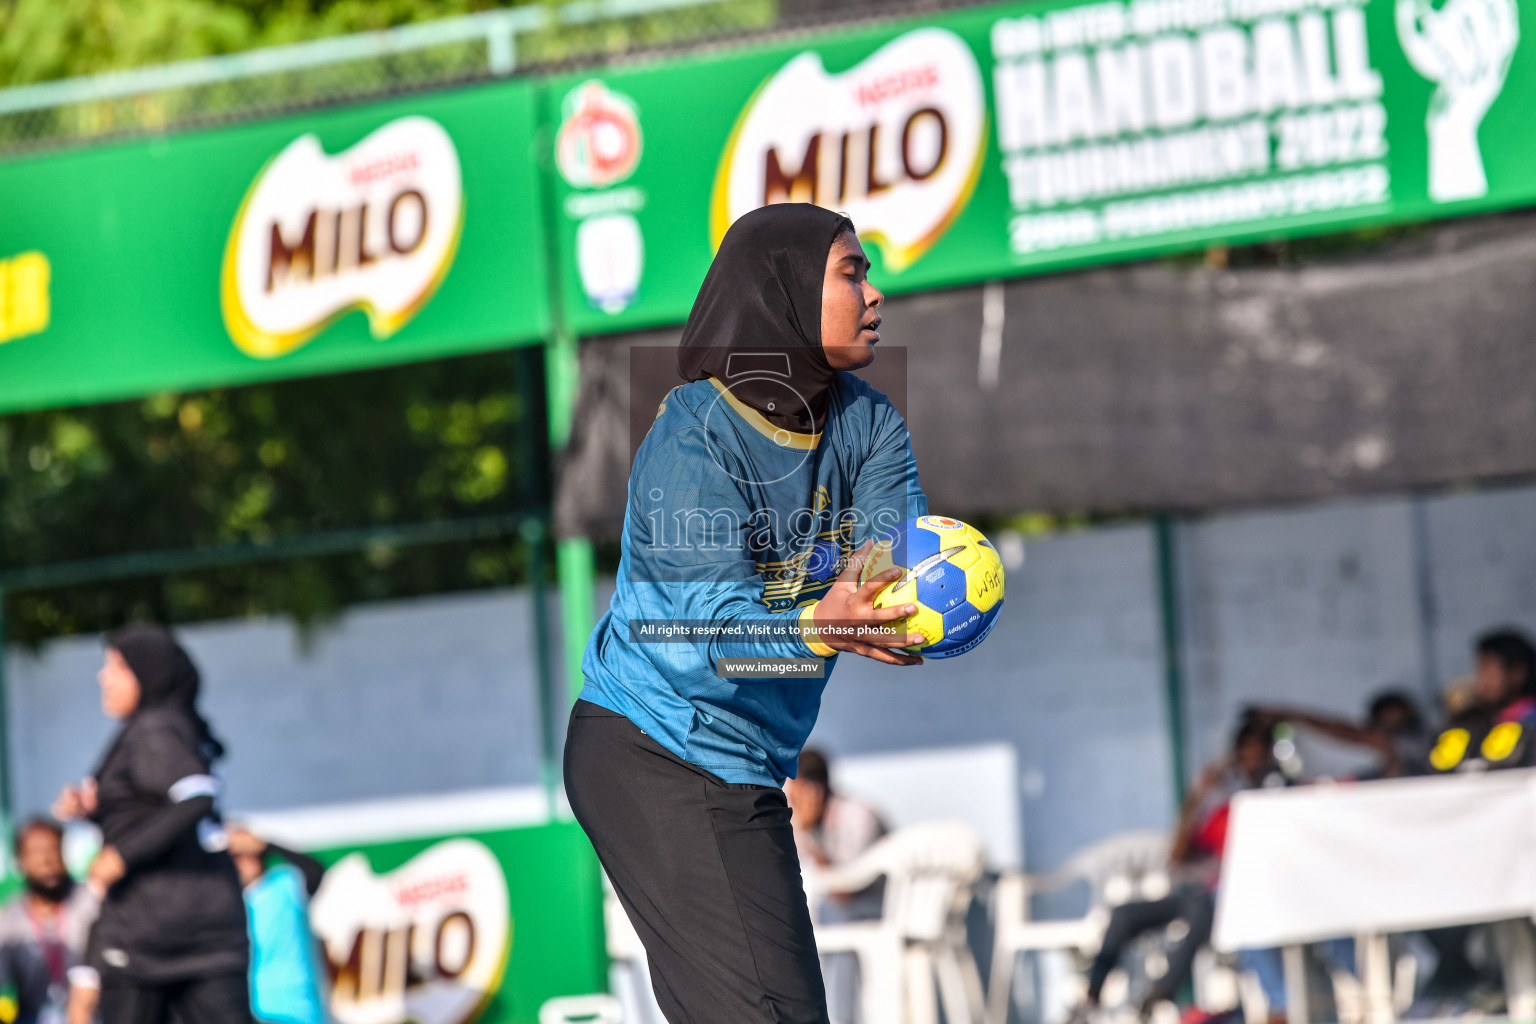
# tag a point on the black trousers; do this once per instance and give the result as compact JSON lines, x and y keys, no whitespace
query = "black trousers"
{"x":707,"y":872}
{"x":1188,"y":903}
{"x":220,"y":999}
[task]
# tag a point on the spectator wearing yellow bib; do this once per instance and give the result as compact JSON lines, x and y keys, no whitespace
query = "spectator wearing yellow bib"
{"x":1495,"y":730}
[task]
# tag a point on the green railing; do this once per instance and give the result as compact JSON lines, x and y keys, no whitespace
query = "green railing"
{"x":350,"y":67}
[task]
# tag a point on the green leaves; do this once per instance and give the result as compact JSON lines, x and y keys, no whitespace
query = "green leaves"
{"x":412,"y":444}
{"x":47,"y":39}
{"x":436,"y":441}
{"x":42,"y":40}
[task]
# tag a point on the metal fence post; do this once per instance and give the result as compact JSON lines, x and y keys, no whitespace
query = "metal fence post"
{"x":6,"y":800}
{"x":536,"y":536}
{"x":501,"y":48}
{"x":1171,"y":621}
{"x":7,"y":805}
{"x":534,"y":484}
{"x":574,"y":557}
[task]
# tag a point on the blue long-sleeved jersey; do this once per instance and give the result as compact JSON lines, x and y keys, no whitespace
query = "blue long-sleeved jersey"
{"x":735,"y":523}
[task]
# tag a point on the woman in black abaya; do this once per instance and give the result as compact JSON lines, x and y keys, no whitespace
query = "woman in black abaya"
{"x":170,"y":944}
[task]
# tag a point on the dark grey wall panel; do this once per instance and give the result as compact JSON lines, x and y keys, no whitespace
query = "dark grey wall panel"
{"x":1154,"y":386}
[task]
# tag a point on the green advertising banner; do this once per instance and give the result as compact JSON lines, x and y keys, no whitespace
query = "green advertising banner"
{"x":483,"y":926}
{"x":1013,"y":139}
{"x":327,"y":241}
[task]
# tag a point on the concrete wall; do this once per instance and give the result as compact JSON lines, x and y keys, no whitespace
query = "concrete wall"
{"x":1482,"y":559}
{"x":1316,"y":606}
{"x":1322,"y":605}
{"x":393,"y":699}
{"x":1326,"y":605}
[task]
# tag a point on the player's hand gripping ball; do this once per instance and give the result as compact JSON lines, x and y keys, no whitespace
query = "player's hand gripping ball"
{"x":953,"y":575}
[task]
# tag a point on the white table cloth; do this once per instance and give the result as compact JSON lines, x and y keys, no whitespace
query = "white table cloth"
{"x":1328,"y":861}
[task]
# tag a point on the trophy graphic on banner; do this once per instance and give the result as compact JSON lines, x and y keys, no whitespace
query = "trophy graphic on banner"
{"x":1465,"y":48}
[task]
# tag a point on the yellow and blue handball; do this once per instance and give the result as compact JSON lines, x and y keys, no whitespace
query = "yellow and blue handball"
{"x":952,"y":573}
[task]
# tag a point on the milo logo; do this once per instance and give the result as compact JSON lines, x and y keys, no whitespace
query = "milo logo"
{"x":896,"y":142}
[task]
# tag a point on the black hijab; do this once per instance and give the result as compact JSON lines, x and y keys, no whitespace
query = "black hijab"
{"x":756,"y":325}
{"x":167,"y":677}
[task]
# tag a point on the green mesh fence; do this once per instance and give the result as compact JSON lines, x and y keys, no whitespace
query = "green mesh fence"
{"x":347,"y":68}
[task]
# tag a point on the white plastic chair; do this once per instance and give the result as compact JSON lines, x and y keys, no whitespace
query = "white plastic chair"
{"x":1127,"y":866}
{"x":916,"y":955}
{"x":629,"y":971}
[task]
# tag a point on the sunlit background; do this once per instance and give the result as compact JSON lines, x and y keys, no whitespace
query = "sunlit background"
{"x":319,"y":326}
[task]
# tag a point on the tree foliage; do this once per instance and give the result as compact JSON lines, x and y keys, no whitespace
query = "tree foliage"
{"x":443,"y":440}
{"x":415,"y":444}
{"x":42,"y":40}
{"x":47,"y":39}
{"x":429,"y":442}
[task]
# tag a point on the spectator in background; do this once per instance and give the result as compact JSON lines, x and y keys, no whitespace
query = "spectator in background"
{"x":1393,"y":728}
{"x":1195,"y":864}
{"x":1492,"y":732}
{"x":285,"y":967}
{"x":170,"y":941}
{"x":43,"y":928}
{"x":832,"y":830}
{"x":1458,"y":695}
{"x":1495,"y":730}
